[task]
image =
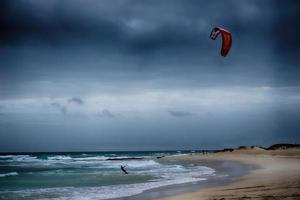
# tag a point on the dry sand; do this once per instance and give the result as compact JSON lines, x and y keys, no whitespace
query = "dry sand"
{"x":278,"y":176}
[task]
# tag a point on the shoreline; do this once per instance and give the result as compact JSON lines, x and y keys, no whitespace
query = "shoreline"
{"x":248,"y":173}
{"x":277,"y":176}
{"x":224,"y":174}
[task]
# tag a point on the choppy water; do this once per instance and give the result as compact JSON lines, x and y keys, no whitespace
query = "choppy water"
{"x":91,"y":175}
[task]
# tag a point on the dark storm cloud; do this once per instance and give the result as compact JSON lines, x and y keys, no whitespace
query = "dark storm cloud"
{"x":129,"y":25}
{"x":28,"y":23}
{"x":286,"y":33}
{"x":179,"y":113}
{"x":125,"y":41}
{"x":61,"y":108}
{"x":76,"y":100}
{"x":105,"y":114}
{"x":159,"y":35}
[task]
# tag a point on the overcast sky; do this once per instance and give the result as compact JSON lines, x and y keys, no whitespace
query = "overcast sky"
{"x":143,"y":75}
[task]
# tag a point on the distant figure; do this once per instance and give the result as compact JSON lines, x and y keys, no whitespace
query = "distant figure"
{"x":123,"y":169}
{"x":159,"y":157}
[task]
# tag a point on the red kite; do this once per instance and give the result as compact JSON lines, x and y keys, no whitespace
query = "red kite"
{"x":226,"y":39}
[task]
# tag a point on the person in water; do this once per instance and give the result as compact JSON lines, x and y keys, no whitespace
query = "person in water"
{"x":123,"y":169}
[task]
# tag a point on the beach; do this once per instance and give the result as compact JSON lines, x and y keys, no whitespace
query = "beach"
{"x":249,"y":173}
{"x":277,"y":176}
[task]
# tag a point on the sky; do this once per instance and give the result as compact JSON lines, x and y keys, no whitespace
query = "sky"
{"x":107,"y":75}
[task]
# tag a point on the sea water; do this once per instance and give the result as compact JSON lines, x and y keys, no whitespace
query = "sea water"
{"x":94,"y":175}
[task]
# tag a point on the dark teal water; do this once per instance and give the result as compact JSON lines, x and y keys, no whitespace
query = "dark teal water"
{"x":94,"y":175}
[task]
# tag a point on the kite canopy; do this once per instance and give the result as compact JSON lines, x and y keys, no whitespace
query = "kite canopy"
{"x":226,"y":39}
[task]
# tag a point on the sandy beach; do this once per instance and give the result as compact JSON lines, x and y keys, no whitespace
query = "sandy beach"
{"x":277,"y":176}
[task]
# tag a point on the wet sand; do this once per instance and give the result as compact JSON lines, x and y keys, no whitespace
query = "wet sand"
{"x":277,"y":176}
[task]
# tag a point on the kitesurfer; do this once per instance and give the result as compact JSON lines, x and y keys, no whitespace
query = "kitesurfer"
{"x":123,"y":169}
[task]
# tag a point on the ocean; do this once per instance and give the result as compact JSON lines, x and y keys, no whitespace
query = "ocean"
{"x":93,"y":175}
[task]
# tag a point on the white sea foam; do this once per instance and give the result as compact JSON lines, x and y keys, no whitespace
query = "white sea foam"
{"x":109,"y":192}
{"x":104,"y":192}
{"x":91,"y":158}
{"x":27,"y":159}
{"x":6,"y":156}
{"x":19,"y":158}
{"x":142,"y":164}
{"x":169,"y":175}
{"x":153,"y":173}
{"x":59,"y":158}
{"x":9,"y":174}
{"x":130,"y":164}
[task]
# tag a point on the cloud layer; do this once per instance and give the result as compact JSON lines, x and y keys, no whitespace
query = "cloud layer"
{"x":111,"y":73}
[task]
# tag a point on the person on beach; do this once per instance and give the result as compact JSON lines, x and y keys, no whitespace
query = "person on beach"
{"x":123,"y":169}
